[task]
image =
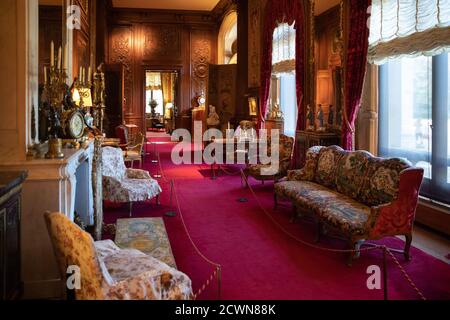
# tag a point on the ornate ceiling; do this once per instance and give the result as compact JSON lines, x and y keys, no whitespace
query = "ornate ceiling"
{"x":203,"y":5}
{"x":324,"y":5}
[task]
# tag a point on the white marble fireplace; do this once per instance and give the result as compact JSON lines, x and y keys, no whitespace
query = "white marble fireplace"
{"x":65,"y":186}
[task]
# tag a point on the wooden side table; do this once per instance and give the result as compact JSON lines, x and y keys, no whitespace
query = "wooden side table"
{"x":274,"y":124}
{"x":308,"y":139}
{"x":10,"y":254}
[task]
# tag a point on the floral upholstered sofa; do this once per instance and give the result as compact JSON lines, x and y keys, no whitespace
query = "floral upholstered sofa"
{"x":356,"y":194}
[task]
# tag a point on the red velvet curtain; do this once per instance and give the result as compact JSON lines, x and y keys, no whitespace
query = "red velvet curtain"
{"x":358,"y":43}
{"x":279,"y":11}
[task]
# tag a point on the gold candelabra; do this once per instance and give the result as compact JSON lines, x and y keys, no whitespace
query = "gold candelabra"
{"x":99,"y":97}
{"x":55,"y":88}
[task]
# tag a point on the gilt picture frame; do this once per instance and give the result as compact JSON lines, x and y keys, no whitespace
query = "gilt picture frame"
{"x":253,"y":106}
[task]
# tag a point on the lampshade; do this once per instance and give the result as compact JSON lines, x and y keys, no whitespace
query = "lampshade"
{"x":76,"y":96}
{"x":85,"y":93}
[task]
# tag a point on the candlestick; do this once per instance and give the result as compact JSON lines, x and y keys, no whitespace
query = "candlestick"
{"x":52,"y":54}
{"x":66,"y":57}
{"x":89,"y":75}
{"x":59,"y":58}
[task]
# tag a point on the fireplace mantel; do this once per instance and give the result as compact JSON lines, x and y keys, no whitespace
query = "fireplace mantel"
{"x":51,"y":186}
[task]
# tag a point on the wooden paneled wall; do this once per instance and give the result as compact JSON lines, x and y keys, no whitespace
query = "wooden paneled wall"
{"x":50,"y":29}
{"x":161,"y":40}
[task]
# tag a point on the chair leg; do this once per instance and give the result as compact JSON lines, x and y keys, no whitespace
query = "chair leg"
{"x":131,"y":208}
{"x":354,"y":245}
{"x":408,"y":238}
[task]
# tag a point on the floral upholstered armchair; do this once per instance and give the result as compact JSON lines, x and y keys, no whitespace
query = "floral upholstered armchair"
{"x":110,"y":273}
{"x":286,"y":146}
{"x":124,"y":185}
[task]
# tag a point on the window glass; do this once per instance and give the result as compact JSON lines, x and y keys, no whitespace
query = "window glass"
{"x":448,"y":119}
{"x":289,"y":103}
{"x":407,"y":118}
{"x":414,"y":118}
{"x":158,"y":96}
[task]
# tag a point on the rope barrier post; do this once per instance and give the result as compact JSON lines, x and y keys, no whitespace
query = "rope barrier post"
{"x":385,"y":274}
{"x":155,"y":155}
{"x":158,"y":171}
{"x":171,"y":213}
{"x":219,"y":282}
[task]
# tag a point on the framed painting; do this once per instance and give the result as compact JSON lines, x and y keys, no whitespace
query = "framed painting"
{"x":253,"y":106}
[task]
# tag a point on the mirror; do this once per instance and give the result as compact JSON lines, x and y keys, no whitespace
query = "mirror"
{"x":50,"y":29}
{"x":328,"y":53}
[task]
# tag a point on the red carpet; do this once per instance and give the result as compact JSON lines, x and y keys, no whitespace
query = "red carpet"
{"x":258,"y":260}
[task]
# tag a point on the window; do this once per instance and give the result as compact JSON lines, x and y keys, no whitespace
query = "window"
{"x":415,"y":118}
{"x":283,"y":85}
{"x":158,"y":96}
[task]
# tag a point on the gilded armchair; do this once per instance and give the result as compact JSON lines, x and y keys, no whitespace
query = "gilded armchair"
{"x":124,"y":185}
{"x":108,"y":272}
{"x":135,"y":152}
{"x":282,"y":164}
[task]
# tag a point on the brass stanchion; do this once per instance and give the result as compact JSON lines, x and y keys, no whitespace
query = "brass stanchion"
{"x":171,"y":213}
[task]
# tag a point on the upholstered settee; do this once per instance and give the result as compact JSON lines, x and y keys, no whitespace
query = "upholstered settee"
{"x":356,"y":194}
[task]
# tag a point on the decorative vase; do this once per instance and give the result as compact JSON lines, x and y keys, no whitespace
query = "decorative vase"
{"x":153,"y":104}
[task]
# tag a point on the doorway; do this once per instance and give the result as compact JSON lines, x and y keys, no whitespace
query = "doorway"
{"x":160,"y":100}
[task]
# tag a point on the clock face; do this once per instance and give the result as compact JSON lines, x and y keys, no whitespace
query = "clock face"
{"x":201,"y":101}
{"x":76,"y":125}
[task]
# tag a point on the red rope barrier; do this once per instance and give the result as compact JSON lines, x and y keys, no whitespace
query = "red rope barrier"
{"x":382,"y":247}
{"x":218,"y":268}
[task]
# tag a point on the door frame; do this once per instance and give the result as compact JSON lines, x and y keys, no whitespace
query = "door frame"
{"x":159,"y":68}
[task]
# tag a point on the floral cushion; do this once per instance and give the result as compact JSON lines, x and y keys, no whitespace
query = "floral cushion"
{"x":308,"y":172}
{"x":327,"y":165}
{"x":382,"y":181}
{"x":137,"y":276}
{"x":108,"y":272}
{"x":305,"y":194}
{"x":347,"y":215}
{"x":351,"y":171}
{"x":74,"y":247}
{"x":338,"y":210}
{"x":286,"y":145}
{"x":125,"y":185}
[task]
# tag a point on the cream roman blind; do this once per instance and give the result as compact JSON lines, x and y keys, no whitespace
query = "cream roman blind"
{"x":283,"y":49}
{"x":408,"y":28}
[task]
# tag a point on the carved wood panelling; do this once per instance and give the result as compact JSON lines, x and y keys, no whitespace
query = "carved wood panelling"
{"x":201,"y":56}
{"x":121,"y":51}
{"x":255,"y":18}
{"x":162,"y":42}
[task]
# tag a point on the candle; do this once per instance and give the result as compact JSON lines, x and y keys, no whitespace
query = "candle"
{"x":229,"y":127}
{"x":89,"y":75}
{"x":66,"y":57}
{"x":80,"y":74}
{"x":45,"y":75}
{"x":59,"y":58}
{"x":52,"y":54}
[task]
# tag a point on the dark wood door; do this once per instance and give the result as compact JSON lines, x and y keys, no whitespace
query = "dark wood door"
{"x":114,"y":83}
